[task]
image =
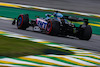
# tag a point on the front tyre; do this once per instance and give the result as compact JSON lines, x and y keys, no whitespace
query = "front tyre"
{"x":23,"y":21}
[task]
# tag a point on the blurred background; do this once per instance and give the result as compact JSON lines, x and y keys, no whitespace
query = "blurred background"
{"x":92,"y":6}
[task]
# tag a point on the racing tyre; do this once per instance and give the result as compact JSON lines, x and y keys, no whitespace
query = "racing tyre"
{"x":53,"y":27}
{"x":85,"y":33}
{"x":23,"y":22}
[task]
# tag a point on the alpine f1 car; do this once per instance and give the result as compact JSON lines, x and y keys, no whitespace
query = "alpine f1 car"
{"x":53,"y":25}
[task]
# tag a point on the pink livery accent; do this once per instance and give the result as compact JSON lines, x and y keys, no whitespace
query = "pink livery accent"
{"x":41,"y":23}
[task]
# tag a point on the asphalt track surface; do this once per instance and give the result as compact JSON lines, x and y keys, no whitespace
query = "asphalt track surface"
{"x":92,"y":44}
{"x":89,"y":6}
{"x":77,"y":5}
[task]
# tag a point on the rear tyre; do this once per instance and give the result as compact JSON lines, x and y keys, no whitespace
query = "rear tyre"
{"x":23,"y":22}
{"x":53,"y":27}
{"x":85,"y":33}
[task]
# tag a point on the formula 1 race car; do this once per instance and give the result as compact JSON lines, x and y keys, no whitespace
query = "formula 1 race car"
{"x":52,"y":26}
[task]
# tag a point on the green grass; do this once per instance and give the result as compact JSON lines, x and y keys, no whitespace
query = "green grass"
{"x":14,"y":47}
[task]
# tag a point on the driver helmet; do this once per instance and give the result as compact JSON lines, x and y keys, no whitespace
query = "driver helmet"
{"x":56,"y":14}
{"x":49,"y":15}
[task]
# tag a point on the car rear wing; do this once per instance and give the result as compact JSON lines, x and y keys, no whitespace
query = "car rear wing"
{"x":75,"y":19}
